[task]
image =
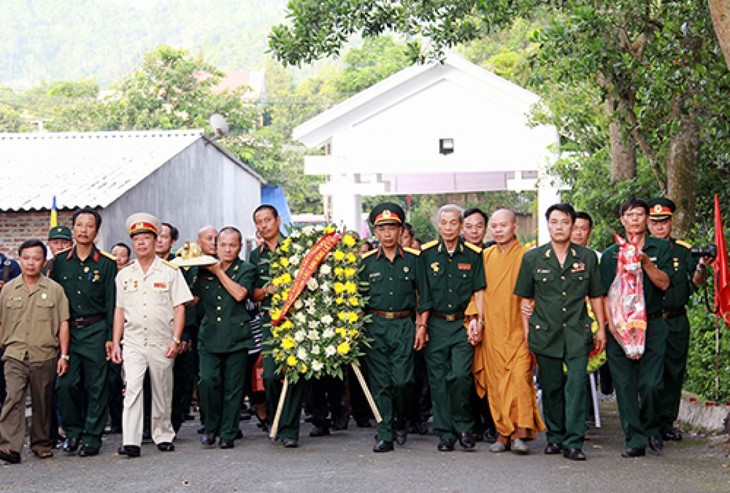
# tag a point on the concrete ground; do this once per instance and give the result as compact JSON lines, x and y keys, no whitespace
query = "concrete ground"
{"x":343,"y":462}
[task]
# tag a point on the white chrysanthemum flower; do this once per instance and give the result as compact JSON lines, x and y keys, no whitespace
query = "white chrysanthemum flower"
{"x":325,"y":270}
{"x":313,"y":335}
{"x":308,"y":230}
{"x":328,"y":332}
{"x":317,"y":365}
{"x":327,"y":319}
{"x":313,"y":324}
{"x":300,"y":317}
{"x":295,"y":234}
{"x":330,"y":351}
{"x":299,"y":335}
{"x":298,"y":304}
{"x":302,"y":354}
{"x":311,"y":310}
{"x":295,"y":260}
{"x":325,"y":287}
{"x":312,"y":284}
{"x":316,"y":350}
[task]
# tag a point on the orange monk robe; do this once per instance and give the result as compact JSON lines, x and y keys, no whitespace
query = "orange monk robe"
{"x":502,"y":362}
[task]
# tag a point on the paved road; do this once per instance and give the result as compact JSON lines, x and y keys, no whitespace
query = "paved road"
{"x":343,"y":462}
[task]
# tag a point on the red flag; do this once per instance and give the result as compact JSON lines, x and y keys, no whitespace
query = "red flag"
{"x":722,"y":272}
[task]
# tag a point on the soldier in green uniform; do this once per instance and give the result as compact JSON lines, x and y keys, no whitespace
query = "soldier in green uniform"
{"x":638,"y":382}
{"x":268,"y":224}
{"x":87,"y":276}
{"x":394,"y":276}
{"x":454,"y":271}
{"x":558,"y":276}
{"x":224,"y":339}
{"x":686,"y":273}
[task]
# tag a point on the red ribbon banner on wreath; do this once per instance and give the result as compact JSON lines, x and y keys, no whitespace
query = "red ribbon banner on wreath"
{"x":308,"y":267}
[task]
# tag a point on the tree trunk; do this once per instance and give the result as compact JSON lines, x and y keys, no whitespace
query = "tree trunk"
{"x":623,"y":149}
{"x":720,"y":13}
{"x":682,"y":169}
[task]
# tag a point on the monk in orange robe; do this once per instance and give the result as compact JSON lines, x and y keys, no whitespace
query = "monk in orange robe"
{"x":503,"y":362}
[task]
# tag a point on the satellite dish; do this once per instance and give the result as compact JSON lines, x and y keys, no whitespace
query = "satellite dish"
{"x":219,"y":125}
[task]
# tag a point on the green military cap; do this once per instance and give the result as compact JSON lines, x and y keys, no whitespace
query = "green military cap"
{"x":141,"y":222}
{"x":387,"y":213}
{"x":661,"y":208}
{"x":59,"y":233}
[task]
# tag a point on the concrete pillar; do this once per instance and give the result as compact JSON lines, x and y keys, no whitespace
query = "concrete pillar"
{"x":346,"y":202}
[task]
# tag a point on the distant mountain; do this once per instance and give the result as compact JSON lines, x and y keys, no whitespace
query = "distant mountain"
{"x":46,"y":40}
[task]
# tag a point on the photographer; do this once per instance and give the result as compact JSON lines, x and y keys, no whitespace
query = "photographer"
{"x":687,"y":273}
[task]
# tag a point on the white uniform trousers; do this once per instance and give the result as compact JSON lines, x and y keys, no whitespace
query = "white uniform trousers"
{"x":137,"y":358}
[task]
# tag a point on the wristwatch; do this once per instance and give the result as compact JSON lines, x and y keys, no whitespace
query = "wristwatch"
{"x":65,"y":356}
{"x":176,"y":340}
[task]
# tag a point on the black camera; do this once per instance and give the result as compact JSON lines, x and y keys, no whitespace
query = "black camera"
{"x":704,"y":251}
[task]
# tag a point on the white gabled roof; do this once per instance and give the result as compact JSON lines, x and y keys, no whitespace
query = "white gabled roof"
{"x":83,"y":168}
{"x":402,"y":85}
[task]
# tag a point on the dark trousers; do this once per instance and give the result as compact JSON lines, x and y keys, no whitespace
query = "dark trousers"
{"x":88,"y":357}
{"x":564,"y":398}
{"x":638,"y":384}
{"x":449,"y":359}
{"x":116,"y":396}
{"x":221,"y":390}
{"x":675,"y":365}
{"x":20,"y":376}
{"x":184,"y":374}
{"x":325,"y":398}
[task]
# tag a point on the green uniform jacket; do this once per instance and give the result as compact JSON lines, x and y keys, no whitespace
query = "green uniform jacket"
{"x":450,"y":279}
{"x":392,"y":285}
{"x":225,"y":327}
{"x":260,"y":259}
{"x":89,"y":284}
{"x":560,"y":326}
{"x":658,"y":251}
{"x":683,"y":268}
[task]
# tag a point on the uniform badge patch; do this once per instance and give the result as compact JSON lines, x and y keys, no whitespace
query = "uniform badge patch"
{"x":406,"y":269}
{"x":464,"y":266}
{"x":435,"y":266}
{"x":578,"y":267}
{"x":44,"y":296}
{"x":159,"y":285}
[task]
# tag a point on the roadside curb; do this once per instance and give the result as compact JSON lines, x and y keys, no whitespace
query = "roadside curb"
{"x":707,"y":415}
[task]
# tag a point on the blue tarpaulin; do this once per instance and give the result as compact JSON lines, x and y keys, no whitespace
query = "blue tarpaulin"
{"x":275,"y":196}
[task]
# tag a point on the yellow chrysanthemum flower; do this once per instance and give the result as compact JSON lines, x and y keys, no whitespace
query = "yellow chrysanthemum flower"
{"x":350,"y":258}
{"x":339,"y":300}
{"x":350,"y":287}
{"x":286,"y":325}
{"x":354,"y":301}
{"x":353,"y":333}
{"x":339,"y":287}
{"x":352,"y":317}
{"x":340,"y":331}
{"x":341,"y":315}
{"x":339,"y":271}
{"x":338,"y":255}
{"x":329,"y":229}
{"x":284,"y":262}
{"x":349,"y":241}
{"x":303,"y":368}
{"x":343,"y":348}
{"x":291,"y":360}
{"x":349,"y":272}
{"x":288,"y":342}
{"x":275,"y":313}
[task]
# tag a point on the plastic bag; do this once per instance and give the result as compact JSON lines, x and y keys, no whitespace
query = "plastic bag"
{"x":626,"y":300}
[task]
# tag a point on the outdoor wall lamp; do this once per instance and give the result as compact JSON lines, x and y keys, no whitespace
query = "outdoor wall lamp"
{"x":446,"y":146}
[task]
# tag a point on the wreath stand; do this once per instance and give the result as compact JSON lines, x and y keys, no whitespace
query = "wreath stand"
{"x":282,"y":399}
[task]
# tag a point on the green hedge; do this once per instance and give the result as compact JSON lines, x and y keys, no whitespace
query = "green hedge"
{"x":701,"y":366}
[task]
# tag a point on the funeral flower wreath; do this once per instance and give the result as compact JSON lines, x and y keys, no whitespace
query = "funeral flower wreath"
{"x":317,"y":307}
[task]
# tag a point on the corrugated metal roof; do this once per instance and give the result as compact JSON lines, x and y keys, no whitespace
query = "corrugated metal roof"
{"x":81,"y":168}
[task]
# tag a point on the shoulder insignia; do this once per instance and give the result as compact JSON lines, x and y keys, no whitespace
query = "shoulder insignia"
{"x":370,"y":253}
{"x":683,"y":243}
{"x":170,"y":264}
{"x":108,"y":255}
{"x":430,"y":244}
{"x":473,"y":247}
{"x":412,"y":251}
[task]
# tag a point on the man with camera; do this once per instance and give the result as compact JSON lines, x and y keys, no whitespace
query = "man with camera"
{"x":686,"y":273}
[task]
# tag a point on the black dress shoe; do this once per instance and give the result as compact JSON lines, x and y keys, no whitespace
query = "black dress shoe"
{"x":165,"y":447}
{"x":239,"y":434}
{"x":201,"y":429}
{"x":553,"y":448}
{"x":401,"y":436}
{"x":340,"y":422}
{"x":12,"y":457}
{"x":490,"y":436}
{"x":422,"y":427}
{"x":383,"y":446}
{"x":289,"y":443}
{"x":129,"y":450}
{"x":446,"y":445}
{"x":466,"y":440}
{"x":71,"y":445}
{"x":226,"y":443}
{"x":632,"y":452}
{"x":208,"y":439}
{"x":671,"y":436}
{"x":656,"y":444}
{"x":319,"y":431}
{"x":88,"y":451}
{"x":574,"y":454}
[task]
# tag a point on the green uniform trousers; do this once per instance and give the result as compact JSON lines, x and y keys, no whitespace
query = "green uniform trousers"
{"x":449,"y":359}
{"x":675,"y":364}
{"x":390,"y":364}
{"x":638,"y":384}
{"x":221,"y":390}
{"x":87,"y":366}
{"x":564,"y":398}
{"x":292,"y":411}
